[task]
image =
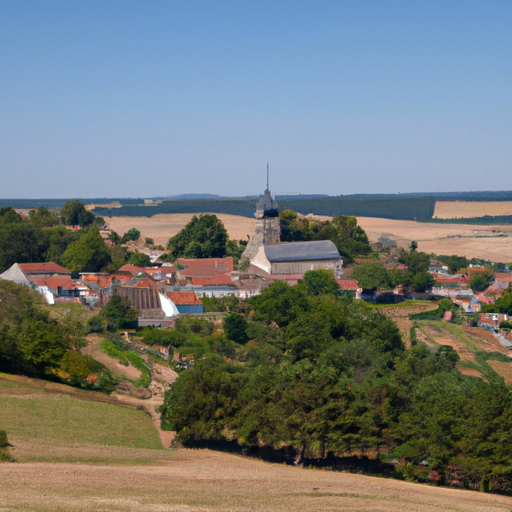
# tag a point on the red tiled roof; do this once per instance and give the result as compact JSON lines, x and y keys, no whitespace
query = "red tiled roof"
{"x":54,"y":282}
{"x":219,"y":280}
{"x":36,"y":268}
{"x":182,"y":298}
{"x":348,"y":284}
{"x":133,"y":269}
{"x":206,"y":267}
{"x":503,"y":277}
{"x":145,"y":283}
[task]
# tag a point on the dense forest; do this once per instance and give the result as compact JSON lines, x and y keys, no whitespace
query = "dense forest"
{"x":301,"y":370}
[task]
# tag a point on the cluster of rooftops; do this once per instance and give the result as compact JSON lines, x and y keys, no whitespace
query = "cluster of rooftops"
{"x":161,"y":293}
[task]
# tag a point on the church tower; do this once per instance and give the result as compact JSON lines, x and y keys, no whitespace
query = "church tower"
{"x":268,"y":226}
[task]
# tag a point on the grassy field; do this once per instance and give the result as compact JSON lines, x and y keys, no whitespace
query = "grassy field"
{"x":44,"y":422}
{"x":481,"y":355}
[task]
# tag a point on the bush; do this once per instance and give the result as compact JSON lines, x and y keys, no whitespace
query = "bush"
{"x":5,"y":456}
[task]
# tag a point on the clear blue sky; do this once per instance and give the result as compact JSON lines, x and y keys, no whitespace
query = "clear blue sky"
{"x":124,"y":98}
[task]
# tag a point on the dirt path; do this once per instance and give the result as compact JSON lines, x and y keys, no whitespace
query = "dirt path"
{"x":400,"y":315}
{"x":126,"y":394}
{"x":118,"y":370}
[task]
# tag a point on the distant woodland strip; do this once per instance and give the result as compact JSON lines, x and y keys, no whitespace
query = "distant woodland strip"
{"x":387,"y":206}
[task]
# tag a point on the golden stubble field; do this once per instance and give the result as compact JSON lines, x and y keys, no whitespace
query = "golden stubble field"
{"x":471,"y":209}
{"x":202,"y":480}
{"x":471,"y":241}
{"x":163,"y":226}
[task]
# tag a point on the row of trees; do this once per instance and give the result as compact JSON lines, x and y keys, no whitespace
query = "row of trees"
{"x":301,"y":367}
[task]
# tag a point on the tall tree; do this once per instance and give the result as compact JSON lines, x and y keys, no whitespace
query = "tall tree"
{"x":88,"y":254}
{"x":73,"y":213}
{"x":203,"y":237}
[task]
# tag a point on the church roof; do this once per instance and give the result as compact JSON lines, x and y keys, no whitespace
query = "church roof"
{"x":302,"y":251}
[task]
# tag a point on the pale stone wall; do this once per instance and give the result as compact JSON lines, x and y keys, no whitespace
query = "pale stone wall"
{"x":267,"y":231}
{"x":299,"y":267}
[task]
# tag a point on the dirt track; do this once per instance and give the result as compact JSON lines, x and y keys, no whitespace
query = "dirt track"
{"x":149,"y":400}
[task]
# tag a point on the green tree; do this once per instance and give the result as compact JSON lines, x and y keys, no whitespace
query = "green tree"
{"x":139,"y":259}
{"x":58,"y":240}
{"x":203,"y":237}
{"x":372,"y":276}
{"x":320,"y":282}
{"x":88,"y":254}
{"x":480,"y":281}
{"x":43,"y":217}
{"x":119,"y":313}
{"x":73,"y":213}
{"x":20,"y":242}
{"x":502,"y":305}
{"x":132,"y":234}
{"x":422,"y":281}
{"x":235,"y":327}
{"x":343,"y":231}
{"x":416,"y":261}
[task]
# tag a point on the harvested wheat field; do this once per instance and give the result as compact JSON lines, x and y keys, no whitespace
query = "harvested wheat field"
{"x":471,"y":209}
{"x":163,"y":226}
{"x":492,"y":242}
{"x":201,"y":480}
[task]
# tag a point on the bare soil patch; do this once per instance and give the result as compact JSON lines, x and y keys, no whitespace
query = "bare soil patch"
{"x":486,"y":341}
{"x":118,"y":370}
{"x":400,"y":315}
{"x":503,"y":369}
{"x":149,"y":399}
{"x":201,"y":480}
{"x":163,"y":226}
{"x":470,"y":372}
{"x":471,"y":209}
{"x":434,"y":335}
